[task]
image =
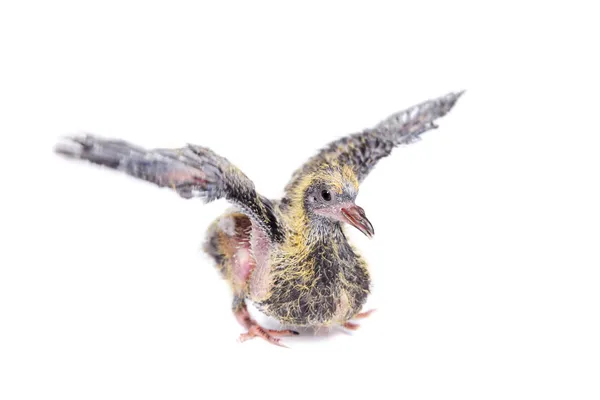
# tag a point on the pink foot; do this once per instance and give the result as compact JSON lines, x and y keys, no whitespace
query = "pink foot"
{"x":364,"y":314}
{"x":255,"y":330}
{"x":354,"y":326}
{"x":267,"y":334}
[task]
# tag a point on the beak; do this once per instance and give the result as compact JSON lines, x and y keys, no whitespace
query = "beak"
{"x":356,"y":217}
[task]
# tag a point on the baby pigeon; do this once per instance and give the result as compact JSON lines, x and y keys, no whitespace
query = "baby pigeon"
{"x":289,"y":257}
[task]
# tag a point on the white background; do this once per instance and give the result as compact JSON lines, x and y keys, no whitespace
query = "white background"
{"x":485,"y":259}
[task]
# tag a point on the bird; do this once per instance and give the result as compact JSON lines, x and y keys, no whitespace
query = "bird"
{"x":289,"y":257}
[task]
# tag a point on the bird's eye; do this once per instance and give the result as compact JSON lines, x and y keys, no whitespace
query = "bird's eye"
{"x":326,"y":195}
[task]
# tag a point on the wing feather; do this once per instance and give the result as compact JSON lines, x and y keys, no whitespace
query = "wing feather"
{"x":191,"y":171}
{"x":363,"y":150}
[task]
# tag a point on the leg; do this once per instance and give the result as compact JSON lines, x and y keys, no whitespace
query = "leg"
{"x":254,"y":330}
{"x":228,"y":242}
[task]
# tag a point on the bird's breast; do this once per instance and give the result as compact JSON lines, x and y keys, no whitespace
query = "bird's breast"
{"x":322,"y":287}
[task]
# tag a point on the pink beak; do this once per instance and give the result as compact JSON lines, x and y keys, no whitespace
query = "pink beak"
{"x":356,"y":217}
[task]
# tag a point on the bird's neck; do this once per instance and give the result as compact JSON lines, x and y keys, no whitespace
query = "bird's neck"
{"x":321,"y":233}
{"x":308,"y":232}
{"x":330,"y":231}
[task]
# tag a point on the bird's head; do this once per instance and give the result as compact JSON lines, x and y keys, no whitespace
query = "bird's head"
{"x":328,"y":197}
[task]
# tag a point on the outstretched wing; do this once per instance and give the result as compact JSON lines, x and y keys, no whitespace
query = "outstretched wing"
{"x":362,"y":151}
{"x":192,"y":171}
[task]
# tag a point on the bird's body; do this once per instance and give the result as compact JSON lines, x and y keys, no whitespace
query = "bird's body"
{"x":303,"y":282}
{"x":290,"y":257}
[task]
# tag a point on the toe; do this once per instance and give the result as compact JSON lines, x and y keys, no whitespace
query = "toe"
{"x":286,"y":332}
{"x":268,"y":335}
{"x":351,"y":325}
{"x":364,"y":314}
